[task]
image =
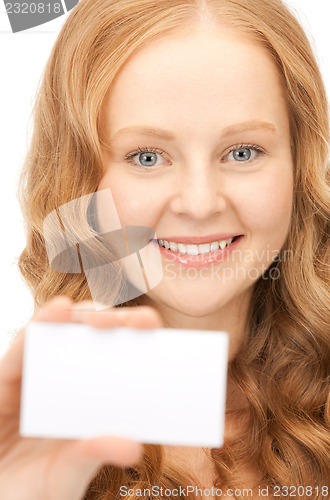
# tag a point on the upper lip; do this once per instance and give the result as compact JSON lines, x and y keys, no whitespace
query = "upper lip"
{"x":198,"y":240}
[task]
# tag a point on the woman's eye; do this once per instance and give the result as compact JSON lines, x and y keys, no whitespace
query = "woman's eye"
{"x":146,"y":158}
{"x":244,"y":154}
{"x":149,"y":158}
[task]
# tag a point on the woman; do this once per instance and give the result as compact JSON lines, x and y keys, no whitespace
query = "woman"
{"x":234,"y":149}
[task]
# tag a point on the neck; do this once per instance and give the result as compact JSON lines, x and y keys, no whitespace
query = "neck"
{"x":231,"y":318}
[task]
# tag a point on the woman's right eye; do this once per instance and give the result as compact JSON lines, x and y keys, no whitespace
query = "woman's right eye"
{"x":146,"y":158}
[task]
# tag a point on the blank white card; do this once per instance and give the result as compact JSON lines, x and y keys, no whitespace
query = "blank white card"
{"x":161,"y":386}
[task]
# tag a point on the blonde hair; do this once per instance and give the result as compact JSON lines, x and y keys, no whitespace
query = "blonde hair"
{"x":282,"y":368}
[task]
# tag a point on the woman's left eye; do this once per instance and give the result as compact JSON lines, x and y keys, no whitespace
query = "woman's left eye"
{"x":244,"y":153}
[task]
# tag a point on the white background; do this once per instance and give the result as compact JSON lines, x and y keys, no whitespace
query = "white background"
{"x":22,"y":59}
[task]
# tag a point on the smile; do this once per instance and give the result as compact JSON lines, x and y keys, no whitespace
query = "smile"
{"x":195,"y":249}
{"x":202,"y":255}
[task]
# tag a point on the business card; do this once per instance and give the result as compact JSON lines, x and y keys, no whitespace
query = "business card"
{"x":161,"y":386}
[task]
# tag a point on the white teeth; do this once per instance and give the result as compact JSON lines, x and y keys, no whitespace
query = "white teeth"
{"x":205,"y":248}
{"x":182,"y":248}
{"x":195,"y":249}
{"x":192,"y":249}
{"x":214,"y":246}
{"x":173,"y":246}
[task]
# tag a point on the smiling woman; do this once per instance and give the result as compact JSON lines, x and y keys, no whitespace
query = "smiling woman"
{"x":208,"y":121}
{"x":221,"y":169}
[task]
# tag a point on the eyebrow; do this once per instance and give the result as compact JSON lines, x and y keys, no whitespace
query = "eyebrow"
{"x":165,"y":134}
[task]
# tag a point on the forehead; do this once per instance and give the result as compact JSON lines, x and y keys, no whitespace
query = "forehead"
{"x":196,"y":79}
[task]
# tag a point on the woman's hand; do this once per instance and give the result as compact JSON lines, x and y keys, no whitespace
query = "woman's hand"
{"x":56,"y":469}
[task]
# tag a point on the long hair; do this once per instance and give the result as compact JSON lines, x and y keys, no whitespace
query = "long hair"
{"x":282,"y":368}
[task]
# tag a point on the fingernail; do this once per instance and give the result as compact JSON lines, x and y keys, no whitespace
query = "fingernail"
{"x":80,"y":309}
{"x":99,"y":306}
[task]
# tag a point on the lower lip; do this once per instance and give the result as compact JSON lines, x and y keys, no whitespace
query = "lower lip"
{"x":201,"y":260}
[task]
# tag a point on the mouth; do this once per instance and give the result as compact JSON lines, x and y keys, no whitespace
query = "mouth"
{"x":196,"y":249}
{"x":196,"y":255}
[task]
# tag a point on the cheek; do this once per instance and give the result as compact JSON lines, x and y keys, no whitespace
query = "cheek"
{"x":266,"y":205}
{"x":136,"y":203}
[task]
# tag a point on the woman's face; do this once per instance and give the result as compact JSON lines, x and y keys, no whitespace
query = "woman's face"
{"x":207,"y":110}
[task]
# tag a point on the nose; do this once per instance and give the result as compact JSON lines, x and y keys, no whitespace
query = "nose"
{"x":200,"y":191}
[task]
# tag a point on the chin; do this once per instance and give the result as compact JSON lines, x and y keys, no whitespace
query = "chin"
{"x":193,"y":305}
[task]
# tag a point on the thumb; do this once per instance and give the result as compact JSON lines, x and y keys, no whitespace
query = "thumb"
{"x":113,"y":450}
{"x":82,"y":460}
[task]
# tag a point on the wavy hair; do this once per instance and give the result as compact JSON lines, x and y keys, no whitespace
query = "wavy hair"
{"x":282,"y":368}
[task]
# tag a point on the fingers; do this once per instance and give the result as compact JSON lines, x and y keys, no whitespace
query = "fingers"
{"x":142,"y":317}
{"x":62,"y":310}
{"x":57,"y":310}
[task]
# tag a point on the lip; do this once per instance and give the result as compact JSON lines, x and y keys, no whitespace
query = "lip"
{"x":199,"y":240}
{"x":202,"y":260}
